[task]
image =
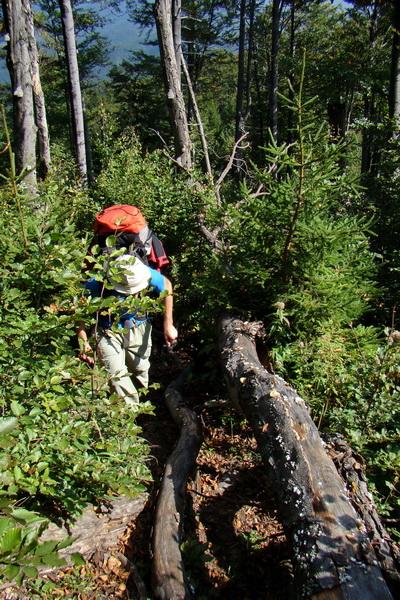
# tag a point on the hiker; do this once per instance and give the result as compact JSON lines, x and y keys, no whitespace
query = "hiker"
{"x":125,"y":351}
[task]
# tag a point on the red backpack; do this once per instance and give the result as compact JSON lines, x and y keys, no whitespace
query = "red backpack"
{"x":131,"y":230}
{"x":118,"y":218}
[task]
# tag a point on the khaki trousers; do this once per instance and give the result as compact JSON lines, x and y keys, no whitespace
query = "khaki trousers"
{"x":126,"y":357}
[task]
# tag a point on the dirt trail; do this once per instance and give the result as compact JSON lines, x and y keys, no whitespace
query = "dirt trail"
{"x":233,"y":545}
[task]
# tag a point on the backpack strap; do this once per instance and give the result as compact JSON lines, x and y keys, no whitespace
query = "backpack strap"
{"x":157,"y":256}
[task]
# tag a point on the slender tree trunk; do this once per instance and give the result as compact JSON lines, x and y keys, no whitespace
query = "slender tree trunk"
{"x":250,"y":54}
{"x":176,"y":105}
{"x":198,"y":118}
{"x":394,"y":92}
{"x":369,"y":103}
{"x":239,"y":124}
{"x":74,"y":86}
{"x":273,"y":90}
{"x":290,"y":119}
{"x":44,"y":158}
{"x":260,"y":101}
{"x":89,"y":158}
{"x":177,"y":31}
{"x":19,"y":65}
{"x":243,"y":94}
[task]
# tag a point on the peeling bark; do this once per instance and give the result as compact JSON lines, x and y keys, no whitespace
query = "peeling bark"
{"x":332,"y":555}
{"x":168,"y":575}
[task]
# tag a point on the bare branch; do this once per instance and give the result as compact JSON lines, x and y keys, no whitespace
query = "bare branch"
{"x":198,"y":117}
{"x":231,"y":159}
{"x":131,"y":567}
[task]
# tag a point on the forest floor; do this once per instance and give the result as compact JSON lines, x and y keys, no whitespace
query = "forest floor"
{"x":233,"y":545}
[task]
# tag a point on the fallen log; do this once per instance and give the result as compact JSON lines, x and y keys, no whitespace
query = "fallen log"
{"x":168,"y":575}
{"x":331,"y":554}
{"x":97,"y":530}
{"x":351,"y":467}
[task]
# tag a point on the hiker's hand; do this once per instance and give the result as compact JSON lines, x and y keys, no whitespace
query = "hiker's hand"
{"x":87,"y":354}
{"x":170,"y":335}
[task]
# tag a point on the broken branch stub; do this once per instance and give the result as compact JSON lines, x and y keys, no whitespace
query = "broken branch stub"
{"x":331,"y":554}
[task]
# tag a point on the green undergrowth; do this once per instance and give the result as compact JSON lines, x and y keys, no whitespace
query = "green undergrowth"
{"x":64,"y":440}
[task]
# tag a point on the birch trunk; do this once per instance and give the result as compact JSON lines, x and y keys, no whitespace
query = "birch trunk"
{"x":44,"y":158}
{"x":74,"y":86}
{"x":16,"y":14}
{"x":176,"y":104}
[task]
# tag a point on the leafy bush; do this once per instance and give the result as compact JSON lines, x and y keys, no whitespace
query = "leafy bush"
{"x":70,"y":441}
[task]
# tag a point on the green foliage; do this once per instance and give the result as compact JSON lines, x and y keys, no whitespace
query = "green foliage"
{"x":64,"y":440}
{"x":383,"y":194}
{"x":195,"y":556}
{"x":217,"y":104}
{"x":350,"y":376}
{"x":138,"y":90}
{"x":298,"y":242}
{"x":21,"y":552}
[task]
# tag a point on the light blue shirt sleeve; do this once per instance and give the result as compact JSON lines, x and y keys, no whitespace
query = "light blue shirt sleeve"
{"x":157,"y":281}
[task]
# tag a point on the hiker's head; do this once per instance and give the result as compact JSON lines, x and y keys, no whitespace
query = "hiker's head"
{"x":129,"y":275}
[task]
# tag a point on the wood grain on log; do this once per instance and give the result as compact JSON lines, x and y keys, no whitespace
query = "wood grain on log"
{"x":168,"y":574}
{"x":97,"y":531}
{"x":332,"y":556}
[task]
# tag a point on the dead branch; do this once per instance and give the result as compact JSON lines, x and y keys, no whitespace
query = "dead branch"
{"x":231,"y":160}
{"x":168,"y":575}
{"x":132,"y":569}
{"x":198,"y":117}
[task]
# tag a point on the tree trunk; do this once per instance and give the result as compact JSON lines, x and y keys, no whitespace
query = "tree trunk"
{"x":394,"y":92}
{"x":176,"y":31}
{"x":199,"y":122}
{"x":292,"y":50}
{"x":16,"y":15}
{"x":240,"y":89}
{"x":243,"y":94}
{"x":74,"y":86}
{"x":273,"y":89}
{"x":369,"y":102}
{"x":332,"y":556}
{"x":97,"y":531}
{"x":44,"y":158}
{"x":351,"y":468}
{"x":176,"y":105}
{"x":168,"y":575}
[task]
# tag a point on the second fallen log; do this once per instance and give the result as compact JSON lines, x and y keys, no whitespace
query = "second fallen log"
{"x":331,"y":554}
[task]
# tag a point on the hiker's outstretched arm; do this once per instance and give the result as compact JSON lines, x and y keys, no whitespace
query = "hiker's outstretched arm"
{"x":170,"y":332}
{"x":87,"y":353}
